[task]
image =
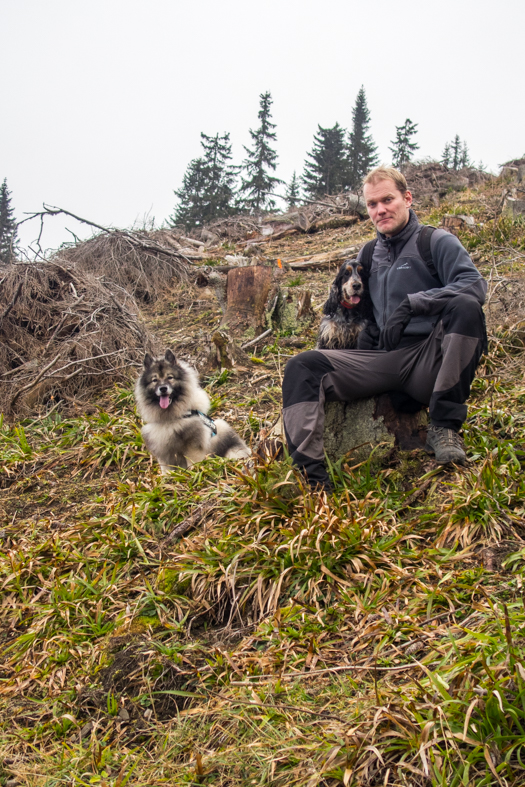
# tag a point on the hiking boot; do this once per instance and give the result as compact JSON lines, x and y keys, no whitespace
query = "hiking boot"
{"x":322,"y":487}
{"x":446,"y":444}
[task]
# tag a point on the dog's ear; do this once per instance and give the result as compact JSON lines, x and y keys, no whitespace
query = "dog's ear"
{"x":148,"y":360}
{"x":364,"y":272}
{"x":168,"y":355}
{"x":334,"y":298}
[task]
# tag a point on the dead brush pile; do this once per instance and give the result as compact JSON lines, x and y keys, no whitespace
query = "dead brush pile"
{"x":64,"y":333}
{"x":142,"y":263}
{"x":332,"y":211}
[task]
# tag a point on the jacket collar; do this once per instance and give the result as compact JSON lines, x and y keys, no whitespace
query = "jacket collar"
{"x":403,"y":235}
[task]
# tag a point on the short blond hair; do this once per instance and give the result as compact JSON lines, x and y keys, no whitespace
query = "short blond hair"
{"x":387,"y":173}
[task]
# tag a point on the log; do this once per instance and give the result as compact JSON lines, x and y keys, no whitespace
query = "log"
{"x":367,"y":425}
{"x":319,"y":260}
{"x":333,"y":223}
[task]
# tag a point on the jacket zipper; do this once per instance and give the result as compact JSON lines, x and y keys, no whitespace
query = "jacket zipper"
{"x":385,"y":283}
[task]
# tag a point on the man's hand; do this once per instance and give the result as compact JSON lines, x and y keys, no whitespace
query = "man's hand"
{"x":395,"y":326}
{"x":368,"y":339}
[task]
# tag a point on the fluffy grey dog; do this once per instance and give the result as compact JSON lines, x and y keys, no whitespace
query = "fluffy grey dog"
{"x":178,"y":431}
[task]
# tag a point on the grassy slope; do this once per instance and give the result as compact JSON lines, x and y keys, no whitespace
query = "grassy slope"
{"x":374,"y":639}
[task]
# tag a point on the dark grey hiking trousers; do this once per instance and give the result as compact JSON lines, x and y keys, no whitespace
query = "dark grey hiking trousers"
{"x":436,"y":371}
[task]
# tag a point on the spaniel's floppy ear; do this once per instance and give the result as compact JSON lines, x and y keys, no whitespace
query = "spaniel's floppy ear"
{"x":334,"y":298}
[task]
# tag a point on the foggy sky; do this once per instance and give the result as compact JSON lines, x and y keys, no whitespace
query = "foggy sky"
{"x":103,"y":102}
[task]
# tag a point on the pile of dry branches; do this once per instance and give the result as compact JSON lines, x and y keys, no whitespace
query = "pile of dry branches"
{"x":64,"y":334}
{"x":142,"y":263}
{"x":312,"y":216}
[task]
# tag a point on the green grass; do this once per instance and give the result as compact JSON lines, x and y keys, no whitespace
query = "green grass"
{"x":283,"y":639}
{"x":345,"y":655}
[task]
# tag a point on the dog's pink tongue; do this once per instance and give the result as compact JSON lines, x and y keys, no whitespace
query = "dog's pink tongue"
{"x":355,"y":299}
{"x":164,"y":402}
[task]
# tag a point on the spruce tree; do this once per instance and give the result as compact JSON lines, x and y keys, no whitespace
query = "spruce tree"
{"x":292,"y":192}
{"x":465,"y":158}
{"x":207,"y":191}
{"x":8,"y":227}
{"x":455,"y":152}
{"x":445,"y":156}
{"x":402,"y":146}
{"x":362,"y":152}
{"x":327,"y":170}
{"x":258,"y":184}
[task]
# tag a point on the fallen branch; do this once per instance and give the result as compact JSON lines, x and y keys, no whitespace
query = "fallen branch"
{"x":319,"y":260}
{"x":134,"y":238}
{"x":80,"y":361}
{"x":51,"y":210}
{"x":314,"y":673}
{"x":33,"y":382}
{"x":257,"y":339}
{"x":193,"y":520}
{"x":13,"y":301}
{"x":77,"y":363}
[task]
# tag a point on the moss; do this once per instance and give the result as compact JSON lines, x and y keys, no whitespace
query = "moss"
{"x":169,"y":582}
{"x":144,"y":622}
{"x":248,"y":334}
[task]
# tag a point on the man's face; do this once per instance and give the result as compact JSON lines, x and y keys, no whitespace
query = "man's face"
{"x":387,"y":206}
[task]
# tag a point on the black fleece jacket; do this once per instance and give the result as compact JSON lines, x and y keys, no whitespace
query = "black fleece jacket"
{"x":397,"y":270}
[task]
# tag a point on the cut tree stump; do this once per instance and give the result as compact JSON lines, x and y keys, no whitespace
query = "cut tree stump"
{"x":247,"y":291}
{"x":254,"y":305}
{"x":514,"y":207}
{"x":367,"y":425}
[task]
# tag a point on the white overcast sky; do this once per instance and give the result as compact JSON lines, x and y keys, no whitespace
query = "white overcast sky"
{"x":103,"y":101}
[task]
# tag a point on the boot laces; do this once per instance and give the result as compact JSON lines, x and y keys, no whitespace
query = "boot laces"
{"x":446,"y":438}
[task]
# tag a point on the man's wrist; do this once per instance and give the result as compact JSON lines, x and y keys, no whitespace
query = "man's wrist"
{"x":411,"y":305}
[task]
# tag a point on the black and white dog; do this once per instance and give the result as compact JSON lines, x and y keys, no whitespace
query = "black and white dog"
{"x":178,"y":430}
{"x":348,"y":309}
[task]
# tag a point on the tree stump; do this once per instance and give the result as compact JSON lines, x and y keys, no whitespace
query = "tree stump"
{"x":291,"y":310}
{"x":514,"y":207}
{"x":247,"y":292}
{"x":367,"y":424}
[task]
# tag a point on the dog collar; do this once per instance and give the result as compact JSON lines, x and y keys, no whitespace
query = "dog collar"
{"x":347,"y":305}
{"x":209,"y":422}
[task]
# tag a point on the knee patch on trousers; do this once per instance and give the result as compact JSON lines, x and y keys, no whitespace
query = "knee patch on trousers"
{"x":464,"y":315}
{"x":302,"y":377}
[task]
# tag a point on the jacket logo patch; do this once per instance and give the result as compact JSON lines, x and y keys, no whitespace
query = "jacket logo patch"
{"x":404,"y":267}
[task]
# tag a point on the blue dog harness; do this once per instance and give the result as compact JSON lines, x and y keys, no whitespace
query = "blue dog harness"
{"x":209,"y":422}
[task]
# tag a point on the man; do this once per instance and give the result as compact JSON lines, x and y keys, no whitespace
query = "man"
{"x":429,"y":338}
